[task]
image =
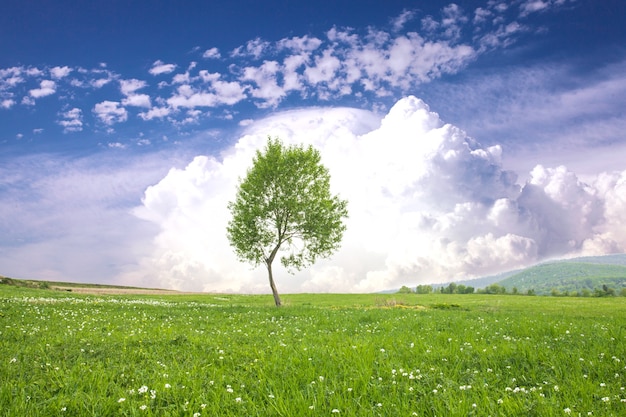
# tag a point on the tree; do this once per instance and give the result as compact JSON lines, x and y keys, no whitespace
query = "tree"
{"x":424,"y":289}
{"x":404,"y":290}
{"x":495,"y":289}
{"x":284,"y":206}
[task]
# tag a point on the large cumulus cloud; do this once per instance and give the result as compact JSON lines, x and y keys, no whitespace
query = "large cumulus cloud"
{"x":427,"y":204}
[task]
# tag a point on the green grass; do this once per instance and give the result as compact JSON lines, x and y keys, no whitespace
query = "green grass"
{"x":358,"y":355}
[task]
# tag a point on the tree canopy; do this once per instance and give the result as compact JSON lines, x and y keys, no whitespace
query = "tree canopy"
{"x":284,"y":207}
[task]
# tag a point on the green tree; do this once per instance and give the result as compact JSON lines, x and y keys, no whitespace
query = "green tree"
{"x":404,"y":290}
{"x":284,"y":207}
{"x":468,"y":290}
{"x":424,"y":289}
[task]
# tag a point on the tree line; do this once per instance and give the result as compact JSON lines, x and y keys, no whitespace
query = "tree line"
{"x":454,"y":288}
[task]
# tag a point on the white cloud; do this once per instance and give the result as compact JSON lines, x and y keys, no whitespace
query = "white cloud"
{"x":137,"y":100}
{"x":60,"y":72}
{"x":72,"y":120}
{"x":155,"y":112}
{"x":228,"y":92}
{"x":254,"y":48}
{"x":218,"y":93}
{"x":33,"y":72}
{"x":429,"y":24}
{"x":324,"y":69}
{"x":452,"y":21}
{"x":208,"y":77}
{"x":532,"y":6}
{"x":427,"y":203}
{"x":46,"y":88}
{"x":611,"y":189}
{"x":7,"y":103}
{"x":181,"y":78}
{"x":159,"y":67}
{"x":400,"y":21}
{"x":528,"y":7}
{"x":265,"y":78}
{"x":503,"y":36}
{"x":28,"y":101}
{"x":10,"y":77}
{"x":100,"y":82}
{"x":110,"y":112}
{"x":299,"y":44}
{"x":481,"y":15}
{"x":212,"y":53}
{"x":128,"y":87}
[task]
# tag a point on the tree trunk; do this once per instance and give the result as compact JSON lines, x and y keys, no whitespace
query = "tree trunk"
{"x":272,"y":285}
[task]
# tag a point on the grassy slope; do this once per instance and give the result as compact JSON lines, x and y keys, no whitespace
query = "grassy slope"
{"x":31,"y":283}
{"x":567,"y":276}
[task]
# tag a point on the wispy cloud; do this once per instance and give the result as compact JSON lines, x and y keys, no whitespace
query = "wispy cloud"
{"x":528,"y":7}
{"x":254,"y":48}
{"x":159,"y":67}
{"x":400,"y":21}
{"x":156,"y":113}
{"x":72,"y":120}
{"x":547,"y":105}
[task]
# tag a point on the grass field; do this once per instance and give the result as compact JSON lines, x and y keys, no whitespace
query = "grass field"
{"x":345,"y":355}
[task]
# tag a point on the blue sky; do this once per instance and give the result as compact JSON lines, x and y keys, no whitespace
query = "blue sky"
{"x":107,"y":109}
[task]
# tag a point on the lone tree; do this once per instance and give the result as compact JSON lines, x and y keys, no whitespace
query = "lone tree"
{"x":284,"y":205}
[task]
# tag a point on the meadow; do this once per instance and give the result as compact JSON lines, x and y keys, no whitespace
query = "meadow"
{"x":73,"y":354}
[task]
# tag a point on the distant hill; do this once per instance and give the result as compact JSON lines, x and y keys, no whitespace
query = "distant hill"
{"x":82,"y":288}
{"x":571,"y":275}
{"x":568,"y":276}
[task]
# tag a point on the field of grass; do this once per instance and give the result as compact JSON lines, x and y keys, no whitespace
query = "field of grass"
{"x":345,"y":355}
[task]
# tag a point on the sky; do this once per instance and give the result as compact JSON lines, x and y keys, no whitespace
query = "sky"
{"x":469,"y":138}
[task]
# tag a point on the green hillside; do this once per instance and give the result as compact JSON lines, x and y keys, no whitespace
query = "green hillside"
{"x":568,"y":277}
